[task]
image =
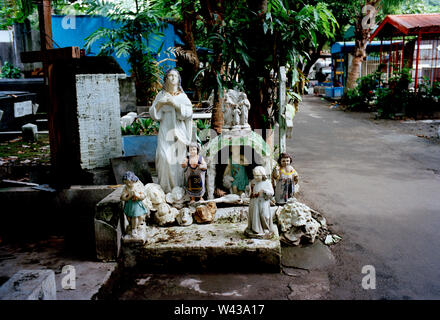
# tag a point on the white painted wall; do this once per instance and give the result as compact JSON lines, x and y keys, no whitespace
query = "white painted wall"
{"x":6,"y":36}
{"x":99,"y":119}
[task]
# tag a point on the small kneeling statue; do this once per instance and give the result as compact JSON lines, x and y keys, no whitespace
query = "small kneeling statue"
{"x":260,"y":219}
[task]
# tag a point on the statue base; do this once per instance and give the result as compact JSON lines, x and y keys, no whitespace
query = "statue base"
{"x":216,"y":247}
{"x":250,"y":234}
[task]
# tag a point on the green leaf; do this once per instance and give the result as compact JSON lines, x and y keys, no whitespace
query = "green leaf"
{"x":265,"y":27}
{"x":295,"y":95}
{"x":161,"y":46}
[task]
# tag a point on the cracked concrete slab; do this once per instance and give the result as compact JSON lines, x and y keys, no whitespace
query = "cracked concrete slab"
{"x":30,"y":285}
{"x":311,"y":257}
{"x":316,"y":287}
{"x":222,"y":286}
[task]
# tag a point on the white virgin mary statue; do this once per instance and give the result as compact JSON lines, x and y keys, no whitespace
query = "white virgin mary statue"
{"x":173,"y":110}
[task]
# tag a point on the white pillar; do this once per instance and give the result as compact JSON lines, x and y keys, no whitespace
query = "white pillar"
{"x":282,"y":108}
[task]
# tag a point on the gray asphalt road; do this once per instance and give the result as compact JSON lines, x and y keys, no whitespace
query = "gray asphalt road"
{"x":380,"y":188}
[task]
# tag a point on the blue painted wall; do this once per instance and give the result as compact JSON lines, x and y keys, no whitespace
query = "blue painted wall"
{"x":86,"y":25}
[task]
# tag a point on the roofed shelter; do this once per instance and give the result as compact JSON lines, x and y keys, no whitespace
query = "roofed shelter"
{"x":415,"y":44}
{"x":342,"y":54}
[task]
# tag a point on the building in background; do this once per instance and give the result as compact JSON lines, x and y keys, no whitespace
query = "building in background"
{"x":414,"y":43}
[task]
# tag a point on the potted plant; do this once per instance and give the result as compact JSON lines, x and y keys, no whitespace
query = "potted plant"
{"x":140,"y":138}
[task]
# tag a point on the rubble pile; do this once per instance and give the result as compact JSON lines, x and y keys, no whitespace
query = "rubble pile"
{"x":300,"y":224}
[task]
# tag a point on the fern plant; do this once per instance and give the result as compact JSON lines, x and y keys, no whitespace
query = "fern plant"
{"x":141,"y":126}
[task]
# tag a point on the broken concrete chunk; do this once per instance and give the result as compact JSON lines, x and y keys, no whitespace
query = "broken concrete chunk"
{"x":332,"y":239}
{"x":294,"y":235}
{"x":185,"y":217}
{"x":30,"y":285}
{"x":156,"y":195}
{"x":165,"y":215}
{"x":205,"y":213}
{"x":296,"y":221}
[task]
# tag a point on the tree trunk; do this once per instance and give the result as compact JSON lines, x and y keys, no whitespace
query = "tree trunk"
{"x":360,"y":53}
{"x":217,"y":118}
{"x":362,"y":35}
{"x":212,"y":11}
{"x":187,"y":53}
{"x":258,"y":91}
{"x":189,"y":18}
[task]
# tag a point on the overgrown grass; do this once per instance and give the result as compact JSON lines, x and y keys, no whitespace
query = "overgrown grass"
{"x":18,"y":151}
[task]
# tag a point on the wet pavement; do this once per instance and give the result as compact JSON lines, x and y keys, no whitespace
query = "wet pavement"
{"x":377,"y":183}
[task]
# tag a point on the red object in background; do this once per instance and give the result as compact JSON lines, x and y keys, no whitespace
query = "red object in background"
{"x":426,"y":27}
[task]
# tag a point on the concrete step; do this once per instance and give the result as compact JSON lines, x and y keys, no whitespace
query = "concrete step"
{"x":216,"y":247}
{"x":9,"y":135}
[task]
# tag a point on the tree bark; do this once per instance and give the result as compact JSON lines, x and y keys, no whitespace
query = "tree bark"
{"x":188,"y":53}
{"x":256,"y":78}
{"x":189,"y":18}
{"x":212,"y":12}
{"x":362,"y":35}
{"x":360,"y":52}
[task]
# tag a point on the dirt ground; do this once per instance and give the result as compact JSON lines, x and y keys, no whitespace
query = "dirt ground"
{"x":428,"y":129}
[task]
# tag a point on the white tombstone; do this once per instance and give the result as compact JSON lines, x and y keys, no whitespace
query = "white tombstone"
{"x":99,"y":111}
{"x":29,"y":132}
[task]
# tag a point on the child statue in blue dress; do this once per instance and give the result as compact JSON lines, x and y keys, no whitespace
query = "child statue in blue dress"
{"x":134,"y":196}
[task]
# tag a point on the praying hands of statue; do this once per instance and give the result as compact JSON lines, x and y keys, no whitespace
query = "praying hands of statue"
{"x":167,"y":100}
{"x":257,"y":195}
{"x":194,"y":166}
{"x":137,"y":196}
